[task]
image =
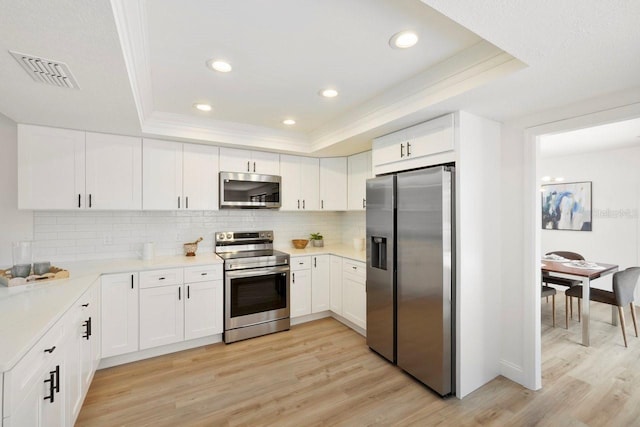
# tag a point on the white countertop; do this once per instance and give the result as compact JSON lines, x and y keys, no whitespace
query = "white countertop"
{"x":27,"y":312}
{"x":344,"y":251}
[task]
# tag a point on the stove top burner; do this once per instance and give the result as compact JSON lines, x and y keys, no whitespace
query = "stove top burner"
{"x":248,"y":249}
{"x":251,"y":254}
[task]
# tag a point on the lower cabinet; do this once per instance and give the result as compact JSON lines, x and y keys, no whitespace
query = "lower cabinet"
{"x":354,"y":294}
{"x":335,"y":272}
{"x":120,"y":301}
{"x":48,"y":385}
{"x":320,"y":286}
{"x":300,"y":286}
{"x":172,"y":311}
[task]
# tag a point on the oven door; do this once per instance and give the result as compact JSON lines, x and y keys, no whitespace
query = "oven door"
{"x":255,"y":296}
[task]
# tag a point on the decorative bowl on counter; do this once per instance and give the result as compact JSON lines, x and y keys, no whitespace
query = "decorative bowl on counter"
{"x":299,"y":243}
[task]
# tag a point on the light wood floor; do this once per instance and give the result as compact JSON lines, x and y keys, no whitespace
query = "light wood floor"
{"x":322,"y":373}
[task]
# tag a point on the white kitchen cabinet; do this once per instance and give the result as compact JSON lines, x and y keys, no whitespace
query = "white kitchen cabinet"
{"x":83,"y":348}
{"x":333,"y":184}
{"x":358,"y":171}
{"x":320,"y":283}
{"x":300,"y":183}
{"x":35,"y":388}
{"x":204,"y":303}
{"x":354,"y":294}
{"x":119,"y":294}
{"x":68,"y":169}
{"x":300,"y":286}
{"x":335,"y":272}
{"x":179,"y":176}
{"x":113,"y":172}
{"x":200,"y":177}
{"x":415,"y":147}
{"x":161,"y":316}
{"x":234,"y":160}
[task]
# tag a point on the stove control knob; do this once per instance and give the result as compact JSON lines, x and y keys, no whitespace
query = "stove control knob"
{"x":229,"y":235}
{"x":220,"y":236}
{"x":262,"y":235}
{"x":268,"y":235}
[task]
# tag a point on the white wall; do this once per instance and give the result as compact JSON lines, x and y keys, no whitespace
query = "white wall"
{"x":14,"y":224}
{"x":615,"y":176}
{"x":478,"y":234}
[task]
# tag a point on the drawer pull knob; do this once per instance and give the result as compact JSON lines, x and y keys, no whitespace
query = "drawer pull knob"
{"x":50,"y":350}
{"x":161,"y":278}
{"x":203,"y":274}
{"x":85,"y":305}
{"x":355,"y":268}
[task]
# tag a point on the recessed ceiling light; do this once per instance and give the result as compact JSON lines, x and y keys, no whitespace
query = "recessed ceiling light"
{"x":218,"y":65}
{"x":289,"y":122}
{"x":202,"y":107}
{"x":403,"y":40}
{"x":329,"y":93}
{"x":546,"y":178}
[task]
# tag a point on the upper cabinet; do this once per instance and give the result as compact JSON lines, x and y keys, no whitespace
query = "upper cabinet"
{"x":300,"y":183}
{"x":68,"y":169}
{"x":179,"y":176}
{"x":333,"y":184}
{"x":233,"y":160}
{"x":359,"y":170}
{"x":422,"y":145}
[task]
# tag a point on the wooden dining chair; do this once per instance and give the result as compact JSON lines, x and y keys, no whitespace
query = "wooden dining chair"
{"x":548,"y":291}
{"x":624,"y":286}
{"x":548,"y":279}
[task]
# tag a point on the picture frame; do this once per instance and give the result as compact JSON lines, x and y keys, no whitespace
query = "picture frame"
{"x":567,"y":206}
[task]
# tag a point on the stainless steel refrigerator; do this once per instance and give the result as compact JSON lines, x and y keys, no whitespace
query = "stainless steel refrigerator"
{"x":410,"y":273}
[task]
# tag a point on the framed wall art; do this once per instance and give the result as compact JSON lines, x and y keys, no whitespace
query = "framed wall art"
{"x":567,"y":206}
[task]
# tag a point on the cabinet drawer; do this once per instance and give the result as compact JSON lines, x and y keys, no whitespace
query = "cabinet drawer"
{"x":355,"y":268}
{"x":202,"y":273}
{"x":28,"y":371}
{"x":300,"y":263}
{"x":166,"y":277}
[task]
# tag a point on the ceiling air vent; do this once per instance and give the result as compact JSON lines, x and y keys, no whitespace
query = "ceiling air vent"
{"x":46,"y":71}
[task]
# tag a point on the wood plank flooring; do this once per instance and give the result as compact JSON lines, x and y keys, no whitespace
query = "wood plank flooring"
{"x":322,"y":374}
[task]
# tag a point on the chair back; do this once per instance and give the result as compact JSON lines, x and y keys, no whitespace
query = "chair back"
{"x":568,"y":255}
{"x":624,"y":285}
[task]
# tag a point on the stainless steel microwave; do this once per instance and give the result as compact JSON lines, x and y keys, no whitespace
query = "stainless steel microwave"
{"x":249,"y":191}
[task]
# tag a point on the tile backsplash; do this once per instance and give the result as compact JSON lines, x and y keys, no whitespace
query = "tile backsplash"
{"x":72,"y":236}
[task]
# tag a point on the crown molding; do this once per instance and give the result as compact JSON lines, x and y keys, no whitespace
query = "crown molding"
{"x":466,"y":70}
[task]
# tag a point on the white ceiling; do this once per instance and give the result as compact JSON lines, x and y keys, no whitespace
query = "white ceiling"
{"x":141,"y":65}
{"x":597,"y":138}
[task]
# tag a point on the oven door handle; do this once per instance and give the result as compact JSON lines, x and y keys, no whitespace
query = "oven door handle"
{"x":253,"y":272}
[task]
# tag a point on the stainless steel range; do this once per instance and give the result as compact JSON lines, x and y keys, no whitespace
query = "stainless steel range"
{"x":256,"y":284}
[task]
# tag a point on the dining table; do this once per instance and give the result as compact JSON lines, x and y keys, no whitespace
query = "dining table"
{"x":585,"y":272}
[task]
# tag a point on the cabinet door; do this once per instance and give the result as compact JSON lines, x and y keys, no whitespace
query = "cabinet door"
{"x":234,"y":160}
{"x":161,"y":316}
{"x":432,"y":137}
{"x":310,"y":183}
{"x":354,"y":300}
{"x":336,"y":284}
{"x":359,"y":170}
{"x":113,"y":171}
{"x":90,"y":335}
{"x":51,"y":167}
{"x":320,"y":283}
{"x":161,"y":175}
{"x":290,"y":188}
{"x":263,"y":162}
{"x":203,"y":307}
{"x":119,"y":314}
{"x":333,"y":184}
{"x":300,"y":293}
{"x":200,"y":177}
{"x":389,"y":148}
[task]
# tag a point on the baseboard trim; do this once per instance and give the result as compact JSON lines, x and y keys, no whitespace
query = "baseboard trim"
{"x":310,"y":317}
{"x":349,"y":324}
{"x":109,"y":362}
{"x":512,"y":371}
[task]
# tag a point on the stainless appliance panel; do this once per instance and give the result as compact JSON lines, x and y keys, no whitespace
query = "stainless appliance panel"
{"x":424,"y":276}
{"x":249,"y":190}
{"x":253,"y":331}
{"x":380,"y":266}
{"x":258,"y":305}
